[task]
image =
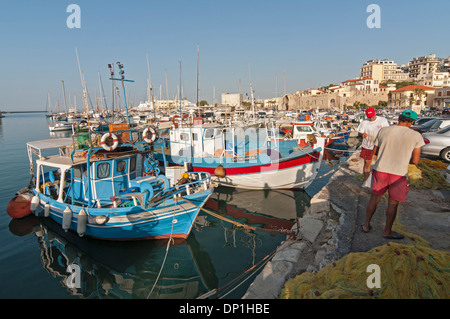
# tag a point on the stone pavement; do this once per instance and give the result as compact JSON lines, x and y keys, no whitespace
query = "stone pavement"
{"x":330,"y":229}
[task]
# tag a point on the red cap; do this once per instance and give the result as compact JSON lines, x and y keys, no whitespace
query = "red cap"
{"x":370,"y":112}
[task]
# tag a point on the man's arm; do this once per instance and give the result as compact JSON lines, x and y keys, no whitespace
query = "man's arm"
{"x":415,"y":158}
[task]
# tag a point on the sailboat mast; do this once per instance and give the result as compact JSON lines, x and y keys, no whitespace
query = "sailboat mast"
{"x":64,"y":96}
{"x":150,"y":87}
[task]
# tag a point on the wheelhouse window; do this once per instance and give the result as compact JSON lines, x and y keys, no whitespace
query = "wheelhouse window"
{"x":121,"y":166}
{"x":103,"y":170}
{"x":209,"y":133}
{"x":79,"y":170}
{"x":133,"y":164}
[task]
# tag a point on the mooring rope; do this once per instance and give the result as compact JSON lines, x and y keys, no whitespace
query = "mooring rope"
{"x":165,"y":257}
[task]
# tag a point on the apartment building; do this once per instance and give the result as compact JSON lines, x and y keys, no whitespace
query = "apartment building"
{"x":435,"y":79}
{"x":383,"y":70}
{"x":423,"y":65}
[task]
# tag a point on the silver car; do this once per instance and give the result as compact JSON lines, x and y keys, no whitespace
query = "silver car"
{"x":437,"y":143}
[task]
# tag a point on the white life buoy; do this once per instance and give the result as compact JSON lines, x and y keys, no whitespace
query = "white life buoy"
{"x":115,"y":141}
{"x":152,"y":132}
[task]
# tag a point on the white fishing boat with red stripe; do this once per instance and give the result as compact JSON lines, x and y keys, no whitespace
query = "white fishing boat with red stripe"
{"x":243,"y":158}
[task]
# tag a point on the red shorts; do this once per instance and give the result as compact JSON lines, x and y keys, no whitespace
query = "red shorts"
{"x":366,"y":153}
{"x":398,"y":186}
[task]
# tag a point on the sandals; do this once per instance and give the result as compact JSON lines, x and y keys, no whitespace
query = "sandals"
{"x":396,"y":236}
{"x":365,"y":231}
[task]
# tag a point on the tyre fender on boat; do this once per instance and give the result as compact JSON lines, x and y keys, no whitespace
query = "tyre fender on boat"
{"x":149,"y":130}
{"x":67,"y":219}
{"x":46,"y":210}
{"x":82,"y":221}
{"x":220,"y":171}
{"x":115,"y":141}
{"x":34,"y":203}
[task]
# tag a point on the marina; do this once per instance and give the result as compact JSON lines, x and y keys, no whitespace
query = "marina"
{"x":214,"y":239}
{"x":229,"y":158}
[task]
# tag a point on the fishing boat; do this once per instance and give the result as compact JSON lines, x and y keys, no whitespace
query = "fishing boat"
{"x":249,"y":158}
{"x":90,"y":184}
{"x":306,"y":133}
{"x":339,"y":131}
{"x":60,"y":126}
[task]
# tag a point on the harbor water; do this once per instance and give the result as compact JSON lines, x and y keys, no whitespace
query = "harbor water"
{"x":39,"y":260}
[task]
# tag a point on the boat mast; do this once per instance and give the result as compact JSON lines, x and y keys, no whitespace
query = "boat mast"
{"x":150,"y":88}
{"x":64,"y":96}
{"x":251,"y":92}
{"x":83,"y":84}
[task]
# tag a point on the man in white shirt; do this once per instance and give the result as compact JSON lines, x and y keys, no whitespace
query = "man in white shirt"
{"x":396,"y":146}
{"x":368,"y":130}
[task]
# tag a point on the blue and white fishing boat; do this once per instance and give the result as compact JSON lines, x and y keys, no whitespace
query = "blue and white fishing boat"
{"x":92,"y":186}
{"x":250,"y":158}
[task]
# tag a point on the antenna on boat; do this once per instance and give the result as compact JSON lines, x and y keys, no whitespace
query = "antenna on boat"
{"x":122,"y":79}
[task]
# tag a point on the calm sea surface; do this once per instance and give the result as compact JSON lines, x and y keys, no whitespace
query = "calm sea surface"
{"x":35,"y":252}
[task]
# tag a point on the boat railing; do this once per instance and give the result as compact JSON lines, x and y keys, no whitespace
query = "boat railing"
{"x":151,"y":196}
{"x":111,"y":137}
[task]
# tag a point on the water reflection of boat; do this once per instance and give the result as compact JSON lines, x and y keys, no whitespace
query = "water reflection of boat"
{"x":121,"y":269}
{"x":261,"y":208}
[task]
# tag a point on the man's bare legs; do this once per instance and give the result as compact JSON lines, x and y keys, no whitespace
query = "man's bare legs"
{"x":366,"y":169}
{"x":391,"y":213}
{"x":370,"y":210}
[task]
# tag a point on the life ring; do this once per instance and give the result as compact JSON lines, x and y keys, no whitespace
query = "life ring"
{"x":152,"y":132}
{"x":115,"y":141}
{"x":185,"y":117}
{"x":173,"y":119}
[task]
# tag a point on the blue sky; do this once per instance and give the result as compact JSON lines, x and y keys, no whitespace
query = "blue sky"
{"x":287,"y":45}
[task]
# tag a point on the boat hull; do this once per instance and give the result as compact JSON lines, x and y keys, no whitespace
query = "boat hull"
{"x":172,"y":219}
{"x":294,"y":172}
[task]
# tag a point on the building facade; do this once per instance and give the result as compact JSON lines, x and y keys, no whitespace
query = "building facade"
{"x":442,"y":98}
{"x":412,"y":95}
{"x":423,"y":65}
{"x":383,"y":70}
{"x":230,"y":99}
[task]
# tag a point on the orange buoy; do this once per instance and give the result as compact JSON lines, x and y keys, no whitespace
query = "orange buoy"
{"x":19,"y":206}
{"x":220,"y":171}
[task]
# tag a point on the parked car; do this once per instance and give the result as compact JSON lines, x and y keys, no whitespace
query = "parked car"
{"x":437,"y":143}
{"x":432,"y":125}
{"x":446,"y":111}
{"x":423,"y":120}
{"x":424,"y":127}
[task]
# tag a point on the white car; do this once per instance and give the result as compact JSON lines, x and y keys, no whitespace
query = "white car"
{"x":437,"y":143}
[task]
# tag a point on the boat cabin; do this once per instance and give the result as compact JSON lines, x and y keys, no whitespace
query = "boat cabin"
{"x":82,"y":177}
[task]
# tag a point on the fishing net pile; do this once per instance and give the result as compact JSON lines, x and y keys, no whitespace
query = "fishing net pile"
{"x":425,"y":175}
{"x":406,"y":272}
